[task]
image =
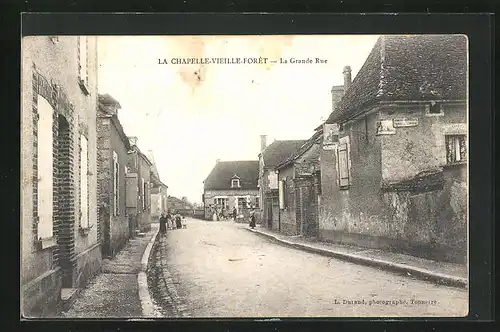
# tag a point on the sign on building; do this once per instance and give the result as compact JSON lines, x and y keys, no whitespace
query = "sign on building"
{"x":385,"y":127}
{"x":405,"y":122}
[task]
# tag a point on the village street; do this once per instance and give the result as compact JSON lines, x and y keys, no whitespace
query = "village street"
{"x":220,"y":269}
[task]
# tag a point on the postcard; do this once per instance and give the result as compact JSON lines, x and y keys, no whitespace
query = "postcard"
{"x":244,"y":176}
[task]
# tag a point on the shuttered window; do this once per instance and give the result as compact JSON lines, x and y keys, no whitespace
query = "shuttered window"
{"x":343,"y":166}
{"x":281,"y":191}
{"x":116,"y":184}
{"x":143,"y":195}
{"x":45,"y":169}
{"x":84,"y":203}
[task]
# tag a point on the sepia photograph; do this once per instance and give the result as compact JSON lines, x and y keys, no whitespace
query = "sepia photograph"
{"x":244,"y":176}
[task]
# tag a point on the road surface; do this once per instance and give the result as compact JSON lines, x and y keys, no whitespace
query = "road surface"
{"x":220,"y":269}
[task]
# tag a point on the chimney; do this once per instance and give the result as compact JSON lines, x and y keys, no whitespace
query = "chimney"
{"x":263,"y":142}
{"x":337,"y":93}
{"x":347,"y":77}
{"x":217,"y":161}
{"x":132,"y":140}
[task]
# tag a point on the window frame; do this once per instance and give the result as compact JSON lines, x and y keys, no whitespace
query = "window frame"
{"x":238,"y":183}
{"x":458,"y":140}
{"x":83,"y":63}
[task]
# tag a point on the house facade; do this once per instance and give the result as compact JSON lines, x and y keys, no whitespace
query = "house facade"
{"x":60,"y":245}
{"x":231,"y":184}
{"x":299,"y":189}
{"x":394,"y":166}
{"x":138,"y":187}
{"x":269,"y":157}
{"x":112,"y":155}
{"x":159,"y":195}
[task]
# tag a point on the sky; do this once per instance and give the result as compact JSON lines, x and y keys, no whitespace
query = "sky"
{"x":192,"y":115}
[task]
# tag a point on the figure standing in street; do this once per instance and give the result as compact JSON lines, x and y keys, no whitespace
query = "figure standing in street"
{"x":168,"y":218}
{"x":163,"y":224}
{"x":178,"y":221}
{"x":234,"y":213}
{"x":252,"y":218}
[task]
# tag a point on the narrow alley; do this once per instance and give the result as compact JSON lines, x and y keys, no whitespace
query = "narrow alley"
{"x":220,"y":269}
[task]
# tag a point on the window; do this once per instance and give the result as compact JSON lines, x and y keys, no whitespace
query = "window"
{"x":343,"y":165}
{"x":83,"y":62}
{"x":257,"y":203}
{"x":45,"y":169}
{"x":341,"y":126}
{"x":84,"y":203}
{"x":143,"y":193}
{"x":281,"y":192}
{"x":242,"y":202}
{"x":146,"y":196}
{"x":116,"y":184}
{"x":221,"y":202}
{"x":434,"y":109}
{"x":235,"y":183}
{"x":456,"y":148}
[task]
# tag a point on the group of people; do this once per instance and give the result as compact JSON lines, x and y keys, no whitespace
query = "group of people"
{"x":169,"y":221}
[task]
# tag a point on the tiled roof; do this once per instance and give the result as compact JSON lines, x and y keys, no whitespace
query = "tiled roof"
{"x":278,"y":151}
{"x":303,"y":149}
{"x":220,"y":176}
{"x":408,"y":68}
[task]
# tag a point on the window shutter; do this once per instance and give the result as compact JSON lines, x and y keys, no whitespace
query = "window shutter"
{"x":142,"y":193}
{"x":131,"y":190}
{"x":84,"y":213}
{"x":343,"y":166}
{"x":281,"y":195}
{"x":45,"y":169}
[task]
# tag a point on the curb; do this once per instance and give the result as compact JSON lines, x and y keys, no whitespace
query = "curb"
{"x":423,"y":274}
{"x":148,"y":308}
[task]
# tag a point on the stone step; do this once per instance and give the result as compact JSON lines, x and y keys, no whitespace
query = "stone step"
{"x":68,"y":297}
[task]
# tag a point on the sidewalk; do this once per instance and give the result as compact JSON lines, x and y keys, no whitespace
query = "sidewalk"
{"x":438,"y":272}
{"x":120,"y":290}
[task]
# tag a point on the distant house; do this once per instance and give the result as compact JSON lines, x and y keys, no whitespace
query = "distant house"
{"x":394,"y":157}
{"x":138,"y":188}
{"x":112,"y":155}
{"x":269,"y":157}
{"x":231,"y":184}
{"x":159,"y":203}
{"x":299,"y":189}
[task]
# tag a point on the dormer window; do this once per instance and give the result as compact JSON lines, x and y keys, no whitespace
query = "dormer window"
{"x":235,"y":183}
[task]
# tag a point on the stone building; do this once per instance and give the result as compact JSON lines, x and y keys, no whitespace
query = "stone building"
{"x":269,"y":157}
{"x":159,"y":195}
{"x":231,"y":184}
{"x":299,"y":189}
{"x":138,"y":189}
{"x":112,"y":154}
{"x":60,"y":246}
{"x":393,"y":171}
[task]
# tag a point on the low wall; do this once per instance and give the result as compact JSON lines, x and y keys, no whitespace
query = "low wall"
{"x":88,"y":264}
{"x":41,"y":297}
